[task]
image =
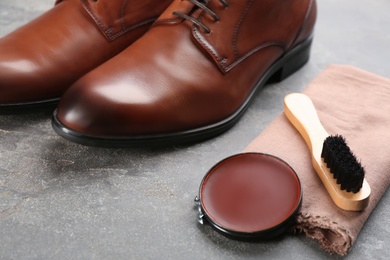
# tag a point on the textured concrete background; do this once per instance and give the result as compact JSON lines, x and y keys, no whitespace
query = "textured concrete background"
{"x":60,"y":200}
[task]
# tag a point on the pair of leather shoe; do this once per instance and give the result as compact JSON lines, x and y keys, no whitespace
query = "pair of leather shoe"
{"x":189,"y":77}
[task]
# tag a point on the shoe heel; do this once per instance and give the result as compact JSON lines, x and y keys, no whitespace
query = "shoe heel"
{"x":293,"y":61}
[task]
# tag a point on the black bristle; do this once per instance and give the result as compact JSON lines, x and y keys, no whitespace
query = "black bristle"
{"x":342,"y":163}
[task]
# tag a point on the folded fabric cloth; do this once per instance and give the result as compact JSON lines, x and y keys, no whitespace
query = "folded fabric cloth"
{"x":356,"y":105}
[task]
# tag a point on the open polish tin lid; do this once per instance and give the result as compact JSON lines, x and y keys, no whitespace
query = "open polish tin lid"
{"x":250,"y":196}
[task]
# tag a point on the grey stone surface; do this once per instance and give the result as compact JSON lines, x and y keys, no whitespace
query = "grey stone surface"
{"x":59,"y":200}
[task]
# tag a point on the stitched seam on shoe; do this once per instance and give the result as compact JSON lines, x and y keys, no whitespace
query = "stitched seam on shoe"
{"x":210,"y":50}
{"x":237,"y":29}
{"x":123,"y":14}
{"x":239,"y":59}
{"x":253,"y":51}
{"x":196,"y":33}
{"x":127,"y":29}
{"x":309,"y":9}
{"x":108,"y":31}
{"x":89,"y":11}
{"x":222,"y":62}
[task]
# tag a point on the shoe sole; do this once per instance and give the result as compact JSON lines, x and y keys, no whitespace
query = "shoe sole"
{"x":28,"y":107}
{"x":281,"y":69}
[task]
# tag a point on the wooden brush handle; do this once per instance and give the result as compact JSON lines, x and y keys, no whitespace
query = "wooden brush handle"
{"x":301,"y":112}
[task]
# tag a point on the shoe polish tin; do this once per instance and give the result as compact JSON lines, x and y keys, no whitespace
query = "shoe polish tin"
{"x":250,"y":196}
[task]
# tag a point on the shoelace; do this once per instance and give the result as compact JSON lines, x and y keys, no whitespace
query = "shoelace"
{"x":201,"y":4}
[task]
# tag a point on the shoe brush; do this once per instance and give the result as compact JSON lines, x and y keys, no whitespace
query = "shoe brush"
{"x":332,"y":159}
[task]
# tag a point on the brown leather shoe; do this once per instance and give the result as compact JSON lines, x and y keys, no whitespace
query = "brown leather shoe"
{"x":40,"y":60}
{"x":191,"y":76}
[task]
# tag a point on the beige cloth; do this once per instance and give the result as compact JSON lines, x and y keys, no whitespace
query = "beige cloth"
{"x":355,"y":104}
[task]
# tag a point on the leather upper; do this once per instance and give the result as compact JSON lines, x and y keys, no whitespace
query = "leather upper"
{"x":116,"y":18}
{"x":43,"y":58}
